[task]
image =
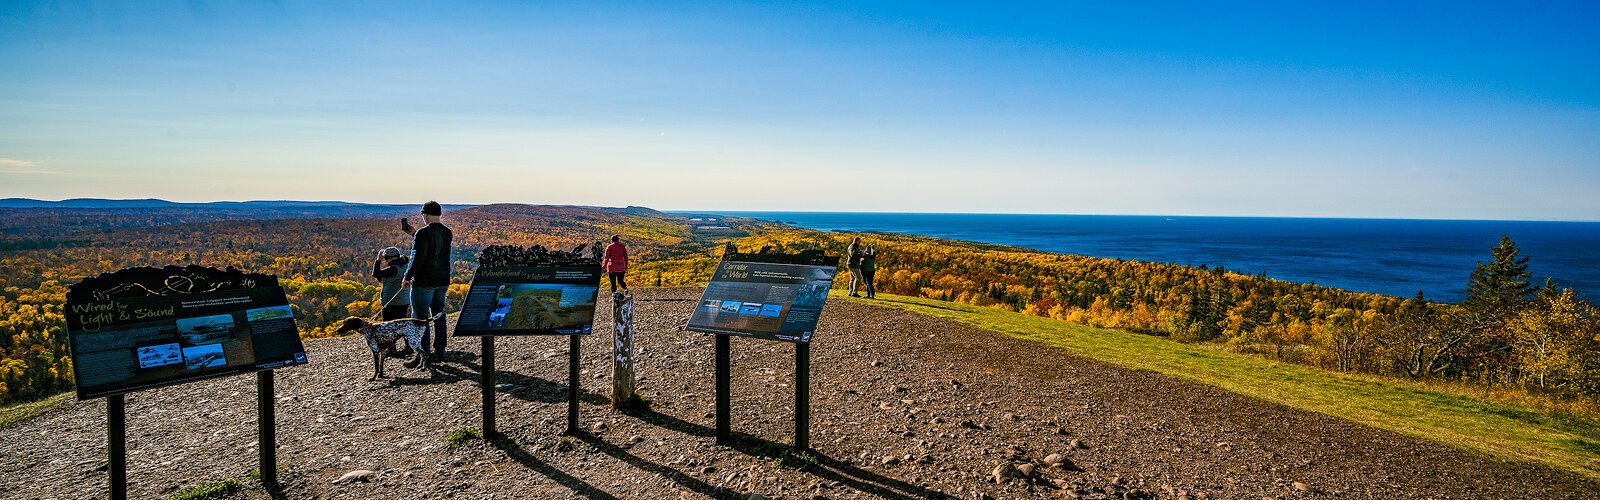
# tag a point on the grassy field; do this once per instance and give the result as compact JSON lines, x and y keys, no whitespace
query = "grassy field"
{"x":1506,"y":431}
{"x":19,"y":412}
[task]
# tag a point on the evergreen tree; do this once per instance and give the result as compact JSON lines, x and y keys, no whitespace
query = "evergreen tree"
{"x":1497,"y":292}
{"x":1502,"y":283}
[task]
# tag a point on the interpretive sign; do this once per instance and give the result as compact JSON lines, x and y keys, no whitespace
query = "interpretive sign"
{"x":765,"y":295}
{"x":549,"y":293}
{"x":769,"y":296}
{"x":144,"y":327}
{"x":531,"y":291}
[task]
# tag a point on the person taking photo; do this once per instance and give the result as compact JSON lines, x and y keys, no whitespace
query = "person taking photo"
{"x":429,"y":275}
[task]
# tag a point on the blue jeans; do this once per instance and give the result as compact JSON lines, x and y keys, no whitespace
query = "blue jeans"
{"x":427,"y":301}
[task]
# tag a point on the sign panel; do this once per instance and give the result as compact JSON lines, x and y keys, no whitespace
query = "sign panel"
{"x":131,"y":336}
{"x":533,"y":300}
{"x":769,"y":300}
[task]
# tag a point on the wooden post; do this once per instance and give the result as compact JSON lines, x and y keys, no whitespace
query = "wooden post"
{"x":267,"y":427}
{"x":622,"y":360}
{"x":724,"y":395}
{"x":117,"y":446}
{"x":487,"y":383}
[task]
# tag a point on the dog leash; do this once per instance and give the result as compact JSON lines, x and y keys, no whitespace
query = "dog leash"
{"x":385,"y":305}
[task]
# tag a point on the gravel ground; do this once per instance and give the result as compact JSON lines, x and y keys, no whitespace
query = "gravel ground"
{"x":903,"y":406}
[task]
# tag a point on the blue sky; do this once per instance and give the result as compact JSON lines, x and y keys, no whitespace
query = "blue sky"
{"x":1382,"y":109}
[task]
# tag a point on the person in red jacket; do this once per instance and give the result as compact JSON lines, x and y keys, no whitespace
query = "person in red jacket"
{"x":616,"y":263}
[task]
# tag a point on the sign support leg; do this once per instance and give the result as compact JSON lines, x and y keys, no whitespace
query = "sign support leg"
{"x":267,"y":427}
{"x":724,"y":396}
{"x":802,"y":396}
{"x":572,"y":384}
{"x":488,"y":386}
{"x":117,"y":446}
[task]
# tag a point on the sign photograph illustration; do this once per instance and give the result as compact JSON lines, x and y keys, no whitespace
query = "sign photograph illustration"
{"x":141,"y":328}
{"x":779,"y":300}
{"x":530,"y":293}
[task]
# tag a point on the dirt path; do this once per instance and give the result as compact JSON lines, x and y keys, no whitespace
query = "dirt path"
{"x":904,"y":406}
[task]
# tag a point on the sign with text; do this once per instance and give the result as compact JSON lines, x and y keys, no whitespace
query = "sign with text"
{"x":769,"y":300}
{"x":531,"y":300}
{"x":192,"y":325}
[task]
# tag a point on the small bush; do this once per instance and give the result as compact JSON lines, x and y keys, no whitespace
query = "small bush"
{"x":461,"y":435}
{"x":208,"y":490}
{"x":256,"y":473}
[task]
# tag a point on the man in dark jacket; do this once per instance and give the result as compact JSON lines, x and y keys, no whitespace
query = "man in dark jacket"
{"x":429,"y":274}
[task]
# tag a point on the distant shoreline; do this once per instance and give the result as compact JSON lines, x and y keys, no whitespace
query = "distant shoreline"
{"x":1395,"y":257}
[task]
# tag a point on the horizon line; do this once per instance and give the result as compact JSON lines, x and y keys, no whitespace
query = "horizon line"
{"x":718,"y":211}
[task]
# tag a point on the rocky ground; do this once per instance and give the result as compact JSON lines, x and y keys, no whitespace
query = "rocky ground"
{"x":903,"y":406}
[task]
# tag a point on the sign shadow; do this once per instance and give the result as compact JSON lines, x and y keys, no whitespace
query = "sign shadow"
{"x":818,"y":464}
{"x":521,"y":456}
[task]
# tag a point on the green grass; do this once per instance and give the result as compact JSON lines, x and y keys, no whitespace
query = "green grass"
{"x":256,"y":473}
{"x":23,"y":411}
{"x":1503,"y":430}
{"x":208,"y":490}
{"x":461,"y":435}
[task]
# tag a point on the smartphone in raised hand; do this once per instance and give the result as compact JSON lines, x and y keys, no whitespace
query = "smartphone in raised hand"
{"x":405,"y":225}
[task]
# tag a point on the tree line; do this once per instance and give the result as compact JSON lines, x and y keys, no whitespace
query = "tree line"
{"x":1510,"y":331}
{"x":322,"y":262}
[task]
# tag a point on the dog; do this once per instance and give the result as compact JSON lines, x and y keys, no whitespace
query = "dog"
{"x":381,"y":337}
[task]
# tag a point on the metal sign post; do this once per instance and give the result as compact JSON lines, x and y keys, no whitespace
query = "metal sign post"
{"x":802,"y":397}
{"x":267,"y":427}
{"x":117,"y":446}
{"x":572,"y":385}
{"x":488,"y":387}
{"x":724,"y":396}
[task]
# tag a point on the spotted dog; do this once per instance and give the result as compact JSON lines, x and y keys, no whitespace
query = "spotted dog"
{"x":381,"y":338}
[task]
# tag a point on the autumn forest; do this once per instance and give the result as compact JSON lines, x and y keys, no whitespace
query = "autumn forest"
{"x":1513,"y":332}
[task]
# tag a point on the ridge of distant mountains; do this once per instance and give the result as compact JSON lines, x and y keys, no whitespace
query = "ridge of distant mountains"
{"x":159,"y":203}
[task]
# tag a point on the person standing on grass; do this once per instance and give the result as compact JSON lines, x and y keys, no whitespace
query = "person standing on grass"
{"x":869,"y":270}
{"x":852,"y":261}
{"x":429,"y":275}
{"x":389,"y":270}
{"x":616,"y":263}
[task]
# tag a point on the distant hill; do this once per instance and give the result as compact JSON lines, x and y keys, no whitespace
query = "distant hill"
{"x":158,"y":203}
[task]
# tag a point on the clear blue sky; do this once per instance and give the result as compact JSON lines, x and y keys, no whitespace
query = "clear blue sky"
{"x":1380,"y":109}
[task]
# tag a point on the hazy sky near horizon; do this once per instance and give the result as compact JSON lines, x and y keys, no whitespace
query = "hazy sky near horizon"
{"x":1345,"y":109}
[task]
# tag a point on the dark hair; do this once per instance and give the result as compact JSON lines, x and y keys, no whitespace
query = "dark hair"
{"x":615,"y":237}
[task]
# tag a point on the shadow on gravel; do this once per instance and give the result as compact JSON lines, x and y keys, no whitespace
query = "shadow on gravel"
{"x":669,"y":422}
{"x":825,"y":467}
{"x":887,"y":487}
{"x":531,"y":388}
{"x":515,"y":451}
{"x":443,"y":374}
{"x":275,"y":490}
{"x":675,"y":475}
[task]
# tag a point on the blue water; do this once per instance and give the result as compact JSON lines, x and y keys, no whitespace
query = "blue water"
{"x":1388,"y":256}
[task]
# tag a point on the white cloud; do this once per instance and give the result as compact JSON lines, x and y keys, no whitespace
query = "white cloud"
{"x":13,"y":166}
{"x":23,"y":167}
